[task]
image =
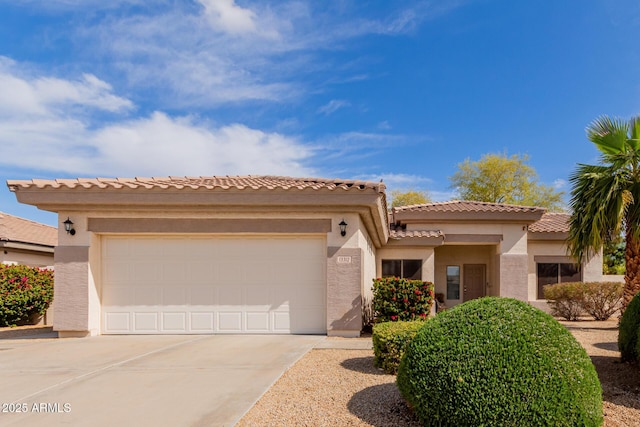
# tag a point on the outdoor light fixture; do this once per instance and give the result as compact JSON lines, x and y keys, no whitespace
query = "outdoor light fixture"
{"x":343,"y":228}
{"x":68,"y":226}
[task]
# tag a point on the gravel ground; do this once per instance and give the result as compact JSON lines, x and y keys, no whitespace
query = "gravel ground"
{"x":334,"y":387}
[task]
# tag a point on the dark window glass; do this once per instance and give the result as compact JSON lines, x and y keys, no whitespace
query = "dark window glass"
{"x":552,"y":273}
{"x":391,"y":268}
{"x":569,"y":273}
{"x":453,"y":282}
{"x":403,"y":268}
{"x":412,"y":269}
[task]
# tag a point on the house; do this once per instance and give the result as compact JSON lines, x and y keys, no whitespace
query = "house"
{"x":26,"y":242}
{"x":266,"y":254}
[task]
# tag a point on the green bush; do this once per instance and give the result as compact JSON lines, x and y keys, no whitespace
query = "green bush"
{"x":401,"y":299}
{"x":24,"y":292}
{"x":570,"y":300}
{"x":565,"y":299}
{"x":602,"y":299}
{"x":390,"y":340}
{"x":499,"y":362}
{"x":628,"y":331}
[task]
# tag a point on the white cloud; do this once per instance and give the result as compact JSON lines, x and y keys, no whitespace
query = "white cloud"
{"x":39,"y":96}
{"x":46,"y":124}
{"x":332,"y":106}
{"x":229,"y":17}
{"x":560,"y":184}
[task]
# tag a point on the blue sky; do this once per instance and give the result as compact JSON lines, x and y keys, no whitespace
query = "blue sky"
{"x":401,"y":91}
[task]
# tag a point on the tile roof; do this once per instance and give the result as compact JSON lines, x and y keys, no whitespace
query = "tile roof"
{"x":402,"y":234}
{"x":207,"y":182}
{"x":467,"y":206}
{"x":552,"y":222}
{"x":16,"y":229}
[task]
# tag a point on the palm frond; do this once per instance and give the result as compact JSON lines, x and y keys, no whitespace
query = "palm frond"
{"x":608,"y":134}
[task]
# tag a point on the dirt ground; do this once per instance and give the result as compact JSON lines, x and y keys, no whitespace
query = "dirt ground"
{"x":330,"y":387}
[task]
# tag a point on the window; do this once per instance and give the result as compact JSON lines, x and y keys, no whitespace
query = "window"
{"x":403,"y":268}
{"x":453,"y":282}
{"x":552,"y":273}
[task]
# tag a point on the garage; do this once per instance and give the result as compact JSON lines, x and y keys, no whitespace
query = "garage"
{"x":213,"y":284}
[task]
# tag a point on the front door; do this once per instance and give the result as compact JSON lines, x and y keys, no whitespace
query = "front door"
{"x":474,"y":277}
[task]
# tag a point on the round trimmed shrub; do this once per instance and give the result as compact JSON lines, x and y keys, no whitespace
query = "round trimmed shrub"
{"x":499,"y":362}
{"x":628,"y":331}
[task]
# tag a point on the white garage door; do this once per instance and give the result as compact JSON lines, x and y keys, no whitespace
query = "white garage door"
{"x":197,"y":285}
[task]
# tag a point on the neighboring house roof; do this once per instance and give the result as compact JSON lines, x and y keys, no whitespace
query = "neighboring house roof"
{"x":552,"y":226}
{"x":16,"y":229}
{"x":207,"y":182}
{"x":467,"y":206}
{"x":458,"y":210}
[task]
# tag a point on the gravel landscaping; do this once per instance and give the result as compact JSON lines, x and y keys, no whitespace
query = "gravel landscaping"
{"x":341,"y":387}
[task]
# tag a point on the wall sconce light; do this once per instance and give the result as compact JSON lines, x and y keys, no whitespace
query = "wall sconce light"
{"x":343,"y":228}
{"x":68,"y":226}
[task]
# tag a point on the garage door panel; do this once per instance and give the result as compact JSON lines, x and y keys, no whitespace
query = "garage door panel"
{"x":202,"y":322}
{"x":145,"y":322}
{"x":213,"y":285}
{"x":174,"y":295}
{"x":202,"y":295}
{"x":230,"y":321}
{"x":117,"y":322}
{"x":174,"y":321}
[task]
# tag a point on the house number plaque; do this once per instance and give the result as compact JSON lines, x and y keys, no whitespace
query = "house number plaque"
{"x":344,"y":260}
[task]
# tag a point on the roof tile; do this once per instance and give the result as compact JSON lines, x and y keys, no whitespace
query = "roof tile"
{"x":551,"y":222}
{"x":16,"y":229}
{"x":467,"y":206}
{"x":208,"y":182}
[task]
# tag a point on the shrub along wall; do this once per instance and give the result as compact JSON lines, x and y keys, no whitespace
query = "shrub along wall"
{"x":570,"y":300}
{"x":24,"y":292}
{"x":401,"y":299}
{"x":390,"y":340}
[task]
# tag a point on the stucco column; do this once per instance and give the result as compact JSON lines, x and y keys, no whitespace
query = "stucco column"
{"x":344,"y":298}
{"x":514,"y":279}
{"x":71,"y":291}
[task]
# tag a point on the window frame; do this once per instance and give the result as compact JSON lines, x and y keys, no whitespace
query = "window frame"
{"x":560,"y":278}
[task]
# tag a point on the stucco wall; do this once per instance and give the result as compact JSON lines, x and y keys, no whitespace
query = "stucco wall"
{"x":30,"y":259}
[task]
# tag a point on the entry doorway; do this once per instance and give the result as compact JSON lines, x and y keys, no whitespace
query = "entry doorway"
{"x":475,"y":280}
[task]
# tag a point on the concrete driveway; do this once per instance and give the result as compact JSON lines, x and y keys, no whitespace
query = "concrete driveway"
{"x":141,"y":380}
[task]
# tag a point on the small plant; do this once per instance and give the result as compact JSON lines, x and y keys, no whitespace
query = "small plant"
{"x":572,"y":299}
{"x":565,"y":299}
{"x":629,"y":331}
{"x":499,"y":362}
{"x":390,"y":340}
{"x":397,"y":299}
{"x":24,"y":292}
{"x":603,"y":299}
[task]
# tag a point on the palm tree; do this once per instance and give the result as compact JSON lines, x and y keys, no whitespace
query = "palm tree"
{"x":605,"y":199}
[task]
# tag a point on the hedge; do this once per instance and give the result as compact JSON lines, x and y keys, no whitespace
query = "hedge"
{"x":572,"y":299}
{"x":390,"y":340}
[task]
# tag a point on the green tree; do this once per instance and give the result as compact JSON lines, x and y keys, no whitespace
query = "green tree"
{"x":496,"y":178}
{"x":613,"y":256}
{"x":605,"y":198}
{"x":411,"y":197}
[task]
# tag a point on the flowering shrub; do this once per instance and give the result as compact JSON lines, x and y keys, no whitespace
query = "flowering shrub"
{"x":24,"y":291}
{"x":401,"y":299}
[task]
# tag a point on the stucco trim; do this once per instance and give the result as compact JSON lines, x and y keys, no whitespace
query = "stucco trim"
{"x":547,"y":235}
{"x":473,"y":238}
{"x":67,"y":254}
{"x":208,"y":225}
{"x":550,"y":259}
